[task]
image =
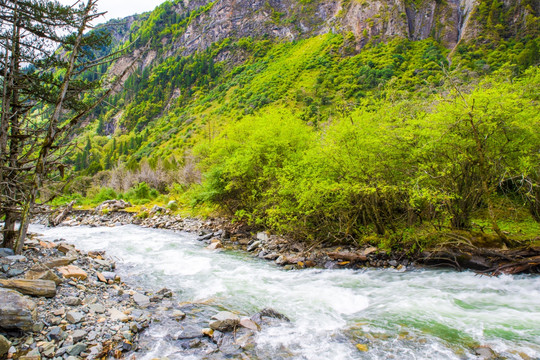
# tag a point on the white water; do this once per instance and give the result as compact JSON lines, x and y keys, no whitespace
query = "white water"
{"x":411,"y":315}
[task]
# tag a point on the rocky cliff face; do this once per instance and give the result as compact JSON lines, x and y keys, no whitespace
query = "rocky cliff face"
{"x":447,"y":21}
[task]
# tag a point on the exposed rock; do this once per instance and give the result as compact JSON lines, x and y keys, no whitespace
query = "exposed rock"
{"x":97,"y":308}
{"x":51,"y":264}
{"x":141,"y":300}
{"x":78,"y":335}
{"x":72,"y":271}
{"x":5,"y":344}
{"x":215,"y":245}
{"x":16,"y":258}
{"x":117,"y":315}
{"x":46,"y":288}
{"x":249,"y":324}
{"x":269,"y":317}
{"x":6,"y":252}
{"x":77,"y":349}
{"x":16,"y":311}
{"x":42,"y":275}
{"x":224,"y":321}
{"x":73,"y":301}
{"x":74,"y":317}
{"x":179,"y":315}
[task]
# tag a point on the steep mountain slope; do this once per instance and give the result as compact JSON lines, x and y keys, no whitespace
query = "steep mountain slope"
{"x":200,"y":68}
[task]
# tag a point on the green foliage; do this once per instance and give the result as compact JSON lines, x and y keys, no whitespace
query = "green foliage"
{"x":141,"y":193}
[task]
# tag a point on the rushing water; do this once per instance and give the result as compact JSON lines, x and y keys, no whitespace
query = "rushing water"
{"x":398,"y":315}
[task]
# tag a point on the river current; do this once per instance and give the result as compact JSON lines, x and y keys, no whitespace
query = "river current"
{"x":422,"y":314}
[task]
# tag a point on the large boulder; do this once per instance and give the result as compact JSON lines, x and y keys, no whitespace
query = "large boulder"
{"x":16,"y":311}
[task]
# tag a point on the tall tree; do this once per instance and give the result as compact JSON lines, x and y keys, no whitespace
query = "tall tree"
{"x":45,"y":53}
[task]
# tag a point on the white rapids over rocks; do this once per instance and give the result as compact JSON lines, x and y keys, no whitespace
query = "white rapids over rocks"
{"x":423,"y":314}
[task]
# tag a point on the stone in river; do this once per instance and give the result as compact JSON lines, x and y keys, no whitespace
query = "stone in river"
{"x":74,"y":317}
{"x":215,"y":246}
{"x":178,"y":315}
{"x":224,"y":321}
{"x":16,"y":311}
{"x":140,"y":299}
{"x":5,"y":344}
{"x":249,"y":324}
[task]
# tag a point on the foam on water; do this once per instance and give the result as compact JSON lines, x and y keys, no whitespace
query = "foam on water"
{"x":412,"y":315}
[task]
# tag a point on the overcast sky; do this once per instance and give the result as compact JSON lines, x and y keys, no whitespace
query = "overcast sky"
{"x":121,"y":8}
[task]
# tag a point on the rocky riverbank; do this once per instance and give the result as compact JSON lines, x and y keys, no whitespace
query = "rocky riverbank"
{"x":218,"y":233}
{"x":76,"y":306}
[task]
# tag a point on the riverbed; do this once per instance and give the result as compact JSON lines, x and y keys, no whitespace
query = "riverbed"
{"x":335,"y":314}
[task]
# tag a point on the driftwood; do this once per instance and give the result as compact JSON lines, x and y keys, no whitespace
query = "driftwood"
{"x":486,"y":261}
{"x":347,"y":256}
{"x":54,"y":220}
{"x":531,"y":264}
{"x":45,"y":288}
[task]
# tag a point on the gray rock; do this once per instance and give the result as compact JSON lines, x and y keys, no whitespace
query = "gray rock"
{"x":48,"y":349}
{"x":224,"y":321}
{"x":76,"y":350}
{"x":109,"y":275}
{"x":73,"y":301}
{"x":253,"y":246}
{"x":117,"y":315}
{"x":56,"y":333}
{"x":263,"y":236}
{"x":16,"y":311}
{"x":140,"y":299}
{"x":6,"y":252}
{"x":74,"y":317}
{"x":78,"y":335}
{"x":16,"y":258}
{"x":97,"y":308}
{"x":104,"y":263}
{"x":14,"y":272}
{"x":178,"y":315}
{"x":5,"y":344}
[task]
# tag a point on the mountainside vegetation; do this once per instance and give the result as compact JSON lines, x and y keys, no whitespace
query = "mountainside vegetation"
{"x":401,"y":136}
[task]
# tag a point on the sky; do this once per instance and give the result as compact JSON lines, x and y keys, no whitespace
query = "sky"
{"x":121,"y":8}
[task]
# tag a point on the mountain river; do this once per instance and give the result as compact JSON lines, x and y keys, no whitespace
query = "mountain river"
{"x":421,"y":314}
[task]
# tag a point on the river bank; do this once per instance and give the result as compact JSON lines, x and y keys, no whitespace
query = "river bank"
{"x":76,"y":306}
{"x":460,"y":251}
